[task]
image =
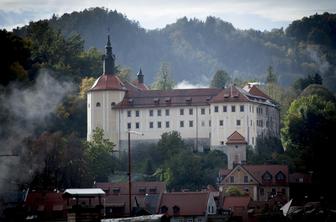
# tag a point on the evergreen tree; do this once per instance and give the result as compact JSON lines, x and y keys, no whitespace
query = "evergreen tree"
{"x":220,"y":79}
{"x":163,"y":79}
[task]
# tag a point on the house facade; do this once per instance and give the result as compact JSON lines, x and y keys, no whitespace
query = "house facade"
{"x":204,"y":117}
{"x":260,"y":182}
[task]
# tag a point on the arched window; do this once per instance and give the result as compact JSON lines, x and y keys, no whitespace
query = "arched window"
{"x":98,"y":104}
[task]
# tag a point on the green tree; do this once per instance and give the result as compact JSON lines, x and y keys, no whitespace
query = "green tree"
{"x":15,"y":57}
{"x":163,"y":79}
{"x":98,"y":153}
{"x":301,"y":83}
{"x":220,"y":79}
{"x":307,"y":136}
{"x":234,"y":191}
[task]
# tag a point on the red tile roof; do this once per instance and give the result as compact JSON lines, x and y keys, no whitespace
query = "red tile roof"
{"x":232,"y":202}
{"x":254,"y":90}
{"x":140,"y":86}
{"x":236,"y":138}
{"x":230,"y":94}
{"x":136,"y":187}
{"x":190,"y":203}
{"x":160,"y":98}
{"x":224,"y":172}
{"x":108,"y":82}
{"x":257,"y":171}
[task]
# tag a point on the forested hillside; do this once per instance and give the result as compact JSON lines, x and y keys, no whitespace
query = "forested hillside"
{"x":195,"y":49}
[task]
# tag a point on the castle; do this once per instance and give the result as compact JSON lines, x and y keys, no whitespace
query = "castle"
{"x":209,"y":118}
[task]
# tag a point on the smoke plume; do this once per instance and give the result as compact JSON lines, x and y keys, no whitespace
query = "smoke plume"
{"x":23,"y":111}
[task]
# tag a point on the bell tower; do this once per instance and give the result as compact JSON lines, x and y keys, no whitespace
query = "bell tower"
{"x":236,"y":149}
{"x":105,"y":94}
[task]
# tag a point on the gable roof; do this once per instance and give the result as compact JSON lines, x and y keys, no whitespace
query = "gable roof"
{"x":108,"y":82}
{"x":259,"y":170}
{"x":190,"y":203}
{"x":230,"y":94}
{"x":236,"y":138}
{"x":254,"y":90}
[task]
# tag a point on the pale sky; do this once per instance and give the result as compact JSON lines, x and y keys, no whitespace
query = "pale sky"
{"x":151,"y":14}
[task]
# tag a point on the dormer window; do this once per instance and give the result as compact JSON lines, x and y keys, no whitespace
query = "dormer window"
{"x":226,"y":95}
{"x":267,"y":177}
{"x":152,"y":190}
{"x":188,"y":100}
{"x":168,"y":100}
{"x":156,"y":100}
{"x":163,"y":209}
{"x":280,"y":176}
{"x":116,"y":190}
{"x":130,"y":101}
{"x":142,"y":190}
{"x":208,"y":98}
{"x":176,"y":210}
{"x":98,"y":104}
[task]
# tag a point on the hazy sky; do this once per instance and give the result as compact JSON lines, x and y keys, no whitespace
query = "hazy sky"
{"x":244,"y":14}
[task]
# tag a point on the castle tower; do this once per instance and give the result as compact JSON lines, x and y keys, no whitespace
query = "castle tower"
{"x":107,"y":91}
{"x":236,"y":149}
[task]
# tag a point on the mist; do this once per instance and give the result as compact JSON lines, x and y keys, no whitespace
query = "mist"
{"x":187,"y":85}
{"x":23,"y":112}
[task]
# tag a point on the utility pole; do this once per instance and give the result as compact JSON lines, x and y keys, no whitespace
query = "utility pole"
{"x":129,"y":169}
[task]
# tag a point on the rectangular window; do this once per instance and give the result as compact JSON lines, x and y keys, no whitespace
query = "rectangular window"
{"x":137,"y":113}
{"x":129,"y":125}
{"x":191,"y":123}
{"x":245,"y":179}
{"x":209,"y":122}
{"x":202,"y":123}
{"x":151,"y":112}
{"x":253,"y":140}
{"x":151,"y":125}
{"x":159,"y":112}
{"x":216,"y":109}
{"x":251,"y":122}
{"x":167,"y":112}
{"x":202,"y":111}
{"x":181,"y":112}
{"x":221,"y":122}
{"x":238,"y":122}
{"x":129,"y":113}
{"x":191,"y":111}
{"x":137,"y":125}
{"x":231,"y":179}
{"x":233,"y":109}
{"x":167,"y":124}
{"x":181,"y":124}
{"x":242,"y":108}
{"x":159,"y":124}
{"x":224,"y":109}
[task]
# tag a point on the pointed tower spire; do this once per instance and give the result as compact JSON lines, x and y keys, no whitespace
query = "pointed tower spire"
{"x":109,"y":58}
{"x":140,"y":76}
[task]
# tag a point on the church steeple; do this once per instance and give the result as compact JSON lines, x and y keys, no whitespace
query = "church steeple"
{"x":140,"y":76}
{"x":108,"y":59}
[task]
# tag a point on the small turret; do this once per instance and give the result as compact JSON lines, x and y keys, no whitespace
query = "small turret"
{"x":108,"y":59}
{"x":140,"y":77}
